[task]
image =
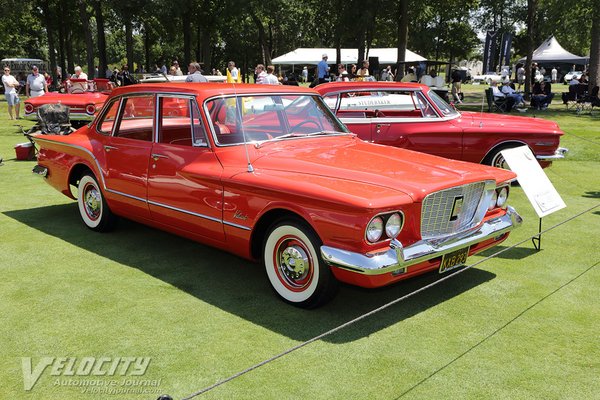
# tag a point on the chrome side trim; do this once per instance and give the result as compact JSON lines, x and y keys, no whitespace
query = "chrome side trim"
{"x":559,"y":154}
{"x":398,"y":257}
{"x":139,"y":198}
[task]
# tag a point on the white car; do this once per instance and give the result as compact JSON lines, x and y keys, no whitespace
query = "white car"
{"x":156,"y":78}
{"x":487,"y":78}
{"x":573,"y":74}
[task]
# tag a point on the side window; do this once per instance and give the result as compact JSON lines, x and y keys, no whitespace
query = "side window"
{"x":179,"y":122}
{"x":105,"y":125}
{"x":331,"y":101}
{"x":137,"y":118}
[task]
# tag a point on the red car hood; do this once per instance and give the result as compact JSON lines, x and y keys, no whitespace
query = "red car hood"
{"x":79,"y":99}
{"x":505,"y":123}
{"x":352,"y":160}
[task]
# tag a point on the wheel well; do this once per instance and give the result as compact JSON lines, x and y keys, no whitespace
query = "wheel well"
{"x":500,"y":146}
{"x":77,"y":172}
{"x":264,"y":223}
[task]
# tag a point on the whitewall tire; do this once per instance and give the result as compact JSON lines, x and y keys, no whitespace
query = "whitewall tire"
{"x":294,"y":266}
{"x":93,"y":209}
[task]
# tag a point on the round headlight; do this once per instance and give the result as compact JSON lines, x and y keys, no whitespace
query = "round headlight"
{"x":375,"y":229}
{"x":90,"y":109}
{"x":502,"y":197}
{"x":393,"y":225}
{"x":28,"y":108}
{"x":493,"y":200}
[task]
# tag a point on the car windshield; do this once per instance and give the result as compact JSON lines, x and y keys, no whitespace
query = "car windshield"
{"x":446,"y":109}
{"x":256,"y":118}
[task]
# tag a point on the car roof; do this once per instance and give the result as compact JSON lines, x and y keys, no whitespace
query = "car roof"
{"x":209,"y":89}
{"x":343,"y":86}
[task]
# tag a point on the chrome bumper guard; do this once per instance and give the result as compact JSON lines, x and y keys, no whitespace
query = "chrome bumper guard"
{"x":558,"y":154}
{"x":398,"y":258}
{"x":39,"y":170}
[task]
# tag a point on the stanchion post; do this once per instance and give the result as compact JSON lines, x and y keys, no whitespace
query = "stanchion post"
{"x":537,"y":240}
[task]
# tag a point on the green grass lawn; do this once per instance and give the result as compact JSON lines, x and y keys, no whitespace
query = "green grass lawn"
{"x":524,"y":325}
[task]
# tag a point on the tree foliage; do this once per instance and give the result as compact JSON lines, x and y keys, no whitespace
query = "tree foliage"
{"x":148,"y":32}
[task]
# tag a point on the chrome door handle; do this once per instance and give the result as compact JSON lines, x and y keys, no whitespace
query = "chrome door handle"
{"x":155,"y":156}
{"x":109,"y":148}
{"x":380,"y":125}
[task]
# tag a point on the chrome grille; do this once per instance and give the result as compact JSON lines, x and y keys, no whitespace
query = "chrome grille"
{"x":437,"y":218}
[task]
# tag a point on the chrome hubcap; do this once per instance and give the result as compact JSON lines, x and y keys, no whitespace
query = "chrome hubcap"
{"x":294,"y":264}
{"x":93,"y":203}
{"x":499,"y":162}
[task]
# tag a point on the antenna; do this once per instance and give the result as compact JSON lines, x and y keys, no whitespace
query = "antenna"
{"x":239,"y":102}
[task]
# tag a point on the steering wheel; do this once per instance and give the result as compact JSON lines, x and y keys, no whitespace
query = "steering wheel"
{"x":76,"y":90}
{"x":307,"y":121}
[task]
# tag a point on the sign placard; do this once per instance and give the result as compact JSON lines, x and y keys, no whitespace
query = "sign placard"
{"x":537,"y":187}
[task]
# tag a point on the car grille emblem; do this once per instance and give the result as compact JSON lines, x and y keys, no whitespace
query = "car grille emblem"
{"x":456,"y":208}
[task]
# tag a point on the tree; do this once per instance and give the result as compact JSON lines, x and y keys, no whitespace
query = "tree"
{"x":89,"y":42}
{"x":595,"y":47}
{"x":531,"y":14}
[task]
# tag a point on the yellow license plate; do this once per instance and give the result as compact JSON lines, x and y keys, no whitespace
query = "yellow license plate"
{"x":454,"y":260}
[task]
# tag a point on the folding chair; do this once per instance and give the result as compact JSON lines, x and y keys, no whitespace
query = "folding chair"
{"x":588,"y":102}
{"x":497,"y":105}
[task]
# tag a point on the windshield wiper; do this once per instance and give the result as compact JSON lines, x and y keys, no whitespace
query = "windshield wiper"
{"x":298,"y":134}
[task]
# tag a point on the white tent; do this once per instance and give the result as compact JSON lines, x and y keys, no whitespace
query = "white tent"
{"x":552,"y":52}
{"x":309,"y":56}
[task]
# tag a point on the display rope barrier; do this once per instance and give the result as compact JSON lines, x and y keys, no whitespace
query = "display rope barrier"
{"x":381,"y":308}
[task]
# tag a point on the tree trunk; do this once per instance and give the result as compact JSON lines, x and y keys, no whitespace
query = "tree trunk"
{"x":129,"y":44}
{"x":102,"y":61}
{"x":68,"y":42}
{"x":402,"y":38}
{"x":48,"y":17}
{"x":89,"y":43}
{"x":594,"y":70}
{"x":147,"y":47}
{"x":262,"y":39}
{"x":531,"y":8}
{"x":187,"y":39}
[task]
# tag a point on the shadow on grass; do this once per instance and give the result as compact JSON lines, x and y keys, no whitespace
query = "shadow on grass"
{"x":592,"y":195}
{"x":238,"y":286}
{"x":516,"y":253}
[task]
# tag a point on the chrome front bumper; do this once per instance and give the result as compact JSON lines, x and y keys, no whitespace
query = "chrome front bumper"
{"x":558,"y":154}
{"x":397,"y":257}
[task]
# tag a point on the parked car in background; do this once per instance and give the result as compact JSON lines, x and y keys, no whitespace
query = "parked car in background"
{"x":269,"y":173}
{"x":414,"y":117}
{"x":156,"y":78}
{"x":488,"y":78}
{"x":84,"y":98}
{"x":572,"y":74}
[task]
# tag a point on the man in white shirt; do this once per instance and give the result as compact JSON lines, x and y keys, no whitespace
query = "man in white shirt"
{"x":194,"y":73}
{"x":510,"y":92}
{"x":79,"y":74}
{"x":36,"y":83}
{"x":270,"y":78}
{"x":10,"y":92}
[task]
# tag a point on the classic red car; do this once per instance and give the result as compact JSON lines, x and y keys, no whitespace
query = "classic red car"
{"x":414,"y":117}
{"x":268,"y":172}
{"x":83,"y":97}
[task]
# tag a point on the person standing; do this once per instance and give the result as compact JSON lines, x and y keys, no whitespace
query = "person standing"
{"x":233,"y":75}
{"x":260,"y":73}
{"x":10,"y":92}
{"x":554,"y":74}
{"x":36,"y":83}
{"x":456,"y":86}
{"x":323,"y":69}
{"x":305,"y":74}
{"x":270,"y":78}
{"x":194,"y":73}
{"x":125,"y":76}
{"x":363,"y":73}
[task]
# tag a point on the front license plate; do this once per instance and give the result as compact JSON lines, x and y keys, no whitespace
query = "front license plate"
{"x":454,"y":260}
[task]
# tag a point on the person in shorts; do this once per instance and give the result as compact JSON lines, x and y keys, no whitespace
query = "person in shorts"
{"x":10,"y":92}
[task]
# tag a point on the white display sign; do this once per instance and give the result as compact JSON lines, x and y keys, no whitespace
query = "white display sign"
{"x":537,"y":187}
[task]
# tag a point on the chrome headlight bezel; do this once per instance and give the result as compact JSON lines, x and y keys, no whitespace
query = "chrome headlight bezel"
{"x":388,"y":229}
{"x":502,"y":197}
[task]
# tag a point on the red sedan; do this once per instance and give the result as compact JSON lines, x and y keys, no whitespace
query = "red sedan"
{"x":83,"y":97}
{"x":269,"y":173}
{"x":414,"y":117}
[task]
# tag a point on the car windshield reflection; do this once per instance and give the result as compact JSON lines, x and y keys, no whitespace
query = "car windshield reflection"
{"x":259,"y":118}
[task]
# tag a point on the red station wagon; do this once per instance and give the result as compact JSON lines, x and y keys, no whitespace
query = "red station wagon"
{"x":414,"y":117}
{"x":269,"y":173}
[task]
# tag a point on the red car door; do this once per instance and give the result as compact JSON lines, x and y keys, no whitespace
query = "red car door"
{"x":125,"y":155}
{"x":184,"y":180}
{"x":409,"y":120}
